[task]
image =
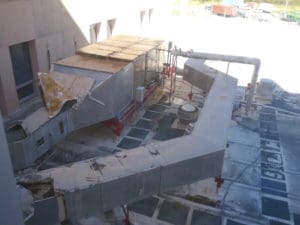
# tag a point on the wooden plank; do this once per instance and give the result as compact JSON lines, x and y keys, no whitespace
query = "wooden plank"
{"x":152,"y":42}
{"x":93,"y":50}
{"x":121,"y":47}
{"x":127,"y":38}
{"x":92,"y":63}
{"x":133,"y":51}
{"x":141,"y":47}
{"x":121,"y":44}
{"x":107,"y":47}
{"x":123,"y":56}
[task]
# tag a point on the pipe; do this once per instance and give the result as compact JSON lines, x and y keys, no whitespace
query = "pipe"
{"x":228,"y":58}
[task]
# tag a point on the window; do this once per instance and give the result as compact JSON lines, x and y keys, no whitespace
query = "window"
{"x":150,"y":13}
{"x":94,"y":32}
{"x":22,"y":68}
{"x":110,"y":27}
{"x":142,"y":16}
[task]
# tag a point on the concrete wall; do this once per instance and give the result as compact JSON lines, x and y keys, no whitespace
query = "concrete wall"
{"x":10,"y":212}
{"x":58,"y":27}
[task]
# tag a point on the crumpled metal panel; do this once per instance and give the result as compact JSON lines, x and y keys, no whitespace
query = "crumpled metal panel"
{"x":59,"y":88}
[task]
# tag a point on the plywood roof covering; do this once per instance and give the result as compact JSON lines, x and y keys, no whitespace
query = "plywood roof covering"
{"x":59,"y":88}
{"x":93,"y":63}
{"x":121,"y":47}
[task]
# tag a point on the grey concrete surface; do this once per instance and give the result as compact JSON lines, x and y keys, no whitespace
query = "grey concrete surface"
{"x":10,"y":212}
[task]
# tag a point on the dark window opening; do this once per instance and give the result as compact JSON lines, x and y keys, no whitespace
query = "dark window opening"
{"x":22,"y":68}
{"x":61,"y":127}
{"x":94,"y":32}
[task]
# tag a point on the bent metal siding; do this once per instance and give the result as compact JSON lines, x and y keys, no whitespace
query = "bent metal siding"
{"x":132,"y":175}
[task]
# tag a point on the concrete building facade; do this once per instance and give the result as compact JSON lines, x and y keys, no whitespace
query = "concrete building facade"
{"x":35,"y":33}
{"x":10,"y":212}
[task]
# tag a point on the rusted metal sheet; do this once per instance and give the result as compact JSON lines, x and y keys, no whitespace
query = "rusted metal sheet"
{"x":59,"y":88}
{"x":93,"y":63}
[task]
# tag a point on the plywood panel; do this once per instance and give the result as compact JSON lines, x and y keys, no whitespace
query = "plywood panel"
{"x":93,"y":63}
{"x":124,"y":56}
{"x":121,"y":47}
{"x":127,"y":38}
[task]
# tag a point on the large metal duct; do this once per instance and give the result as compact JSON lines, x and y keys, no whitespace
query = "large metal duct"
{"x":96,"y":185}
{"x":116,"y":67}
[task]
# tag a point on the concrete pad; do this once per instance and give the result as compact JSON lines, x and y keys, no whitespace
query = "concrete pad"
{"x":289,"y":130}
{"x":173,"y":213}
{"x":242,"y":153}
{"x":251,"y":176}
{"x":205,"y":188}
{"x":273,"y":184}
{"x":157,"y":108}
{"x":278,"y":175}
{"x":146,"y":206}
{"x":45,"y":212}
{"x":275,"y":208}
{"x":268,"y":126}
{"x":128,"y":143}
{"x":237,"y":201}
{"x":205,"y":218}
{"x":293,"y":184}
{"x":145,"y":124}
{"x":269,"y":144}
{"x":270,"y":157}
{"x":269,"y":135}
{"x":272,"y":166}
{"x":243,"y":136}
{"x":152,"y":115}
{"x":295,"y":205}
{"x":138,"y":133}
{"x":274,"y":192}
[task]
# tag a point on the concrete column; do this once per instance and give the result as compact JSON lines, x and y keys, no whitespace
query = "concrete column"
{"x":9,"y":99}
{"x":10,"y":212}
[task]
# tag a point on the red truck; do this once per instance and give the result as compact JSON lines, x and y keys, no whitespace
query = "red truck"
{"x":224,"y":10}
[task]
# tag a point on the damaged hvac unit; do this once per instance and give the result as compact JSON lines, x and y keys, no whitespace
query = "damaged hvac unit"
{"x":95,"y":85}
{"x":89,"y":187}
